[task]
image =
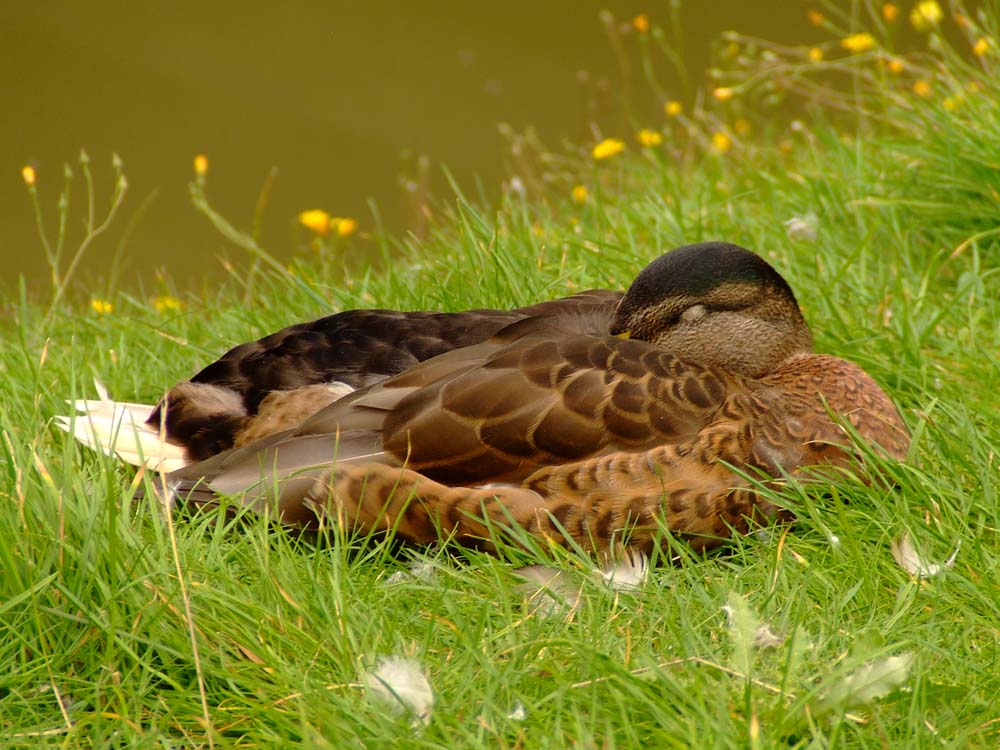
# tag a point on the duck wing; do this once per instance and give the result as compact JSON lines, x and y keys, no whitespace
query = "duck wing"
{"x":349,"y":350}
{"x":361,"y":347}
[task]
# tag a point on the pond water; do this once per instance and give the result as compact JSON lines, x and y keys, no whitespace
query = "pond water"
{"x":337,"y":97}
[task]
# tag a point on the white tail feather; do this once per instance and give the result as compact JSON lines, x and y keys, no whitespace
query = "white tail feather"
{"x":120,"y":429}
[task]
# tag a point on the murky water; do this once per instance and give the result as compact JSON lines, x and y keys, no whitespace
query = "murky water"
{"x":336,"y":96}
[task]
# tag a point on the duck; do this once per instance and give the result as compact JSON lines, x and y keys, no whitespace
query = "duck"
{"x":616,"y":421}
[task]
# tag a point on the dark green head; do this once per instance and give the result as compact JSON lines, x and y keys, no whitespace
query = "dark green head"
{"x":717,"y":303}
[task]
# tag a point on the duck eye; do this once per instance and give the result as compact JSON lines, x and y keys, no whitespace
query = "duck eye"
{"x":693,"y":313}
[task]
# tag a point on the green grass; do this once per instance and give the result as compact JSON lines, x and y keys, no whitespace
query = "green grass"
{"x":262,"y":637}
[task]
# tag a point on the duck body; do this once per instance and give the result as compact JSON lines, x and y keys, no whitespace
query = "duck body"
{"x":561,"y":426}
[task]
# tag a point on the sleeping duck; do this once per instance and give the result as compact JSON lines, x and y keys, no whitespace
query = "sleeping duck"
{"x":588,"y":420}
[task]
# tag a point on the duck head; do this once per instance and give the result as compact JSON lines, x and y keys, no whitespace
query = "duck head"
{"x":717,"y":303}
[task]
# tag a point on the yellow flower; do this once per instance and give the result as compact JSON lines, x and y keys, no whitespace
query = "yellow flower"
{"x":607,"y":148}
{"x":166,"y":302}
{"x":980,"y":48}
{"x":579,"y":193}
{"x":890,"y":12}
{"x":649,"y":138}
{"x":317,"y":220}
{"x":641,"y":23}
{"x":673,"y":108}
{"x":345,"y":227}
{"x":201,"y":165}
{"x":951,"y":103}
{"x":816,"y":18}
{"x":723,"y":93}
{"x":815,"y":54}
{"x":721,"y":142}
{"x":28,"y":175}
{"x":742,"y":126}
{"x":922,"y":88}
{"x":101,"y":306}
{"x":895,"y":66}
{"x":858,"y":43}
{"x":926,"y":15}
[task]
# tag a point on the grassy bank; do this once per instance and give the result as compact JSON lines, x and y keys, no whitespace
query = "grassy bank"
{"x":878,"y":199}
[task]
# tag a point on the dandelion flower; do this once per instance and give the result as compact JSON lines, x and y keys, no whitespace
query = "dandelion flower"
{"x":649,"y":138}
{"x":401,"y":683}
{"x":816,"y":18}
{"x":721,"y":142}
{"x":201,"y":165}
{"x":641,"y":23}
{"x":345,"y":227}
{"x":101,"y":306}
{"x":723,"y":93}
{"x":579,"y":193}
{"x":890,"y":12}
{"x":926,"y":15}
{"x":922,"y":88}
{"x":316,"y":219}
{"x":979,"y":49}
{"x":166,"y":303}
{"x":858,"y":43}
{"x":607,"y":148}
{"x":28,"y":175}
{"x":673,"y":108}
{"x":895,"y":66}
{"x":815,"y":54}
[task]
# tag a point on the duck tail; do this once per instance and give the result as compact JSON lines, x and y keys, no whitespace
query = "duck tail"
{"x":118,"y":428}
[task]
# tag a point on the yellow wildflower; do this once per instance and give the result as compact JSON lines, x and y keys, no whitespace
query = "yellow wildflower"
{"x":723,"y":93}
{"x":641,"y":23}
{"x":649,"y":138}
{"x":579,"y":193}
{"x":721,"y":142}
{"x":28,"y":175}
{"x":951,"y":103}
{"x":166,"y":303}
{"x":673,"y":108}
{"x":926,"y":15}
{"x":201,"y":165}
{"x":890,"y":12}
{"x":922,"y":88}
{"x":858,"y":43}
{"x":816,"y":18}
{"x":742,"y":126}
{"x":101,"y":306}
{"x":980,"y":48}
{"x":316,"y":219}
{"x":815,"y":54}
{"x":607,"y":148}
{"x":895,"y":66}
{"x":345,"y":227}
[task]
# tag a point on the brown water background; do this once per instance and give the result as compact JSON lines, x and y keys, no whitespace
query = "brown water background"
{"x":338,"y":96}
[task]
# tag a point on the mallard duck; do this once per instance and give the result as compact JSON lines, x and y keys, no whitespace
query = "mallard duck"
{"x":609,"y":422}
